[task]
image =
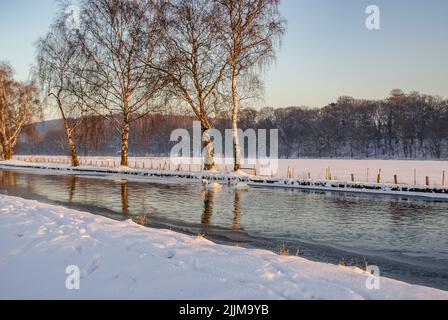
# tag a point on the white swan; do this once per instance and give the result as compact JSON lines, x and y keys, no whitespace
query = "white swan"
{"x":215,"y":187}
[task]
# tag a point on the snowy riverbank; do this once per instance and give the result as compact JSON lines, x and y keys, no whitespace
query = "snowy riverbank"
{"x":411,"y":172}
{"x":122,"y":260}
{"x":179,"y":176}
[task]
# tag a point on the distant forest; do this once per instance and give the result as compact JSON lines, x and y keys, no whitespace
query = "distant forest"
{"x":405,"y":126}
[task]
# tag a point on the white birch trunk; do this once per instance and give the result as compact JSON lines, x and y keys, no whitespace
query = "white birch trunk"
{"x":236,"y":143}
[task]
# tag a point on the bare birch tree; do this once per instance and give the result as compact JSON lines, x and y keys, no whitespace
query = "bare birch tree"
{"x":18,"y":105}
{"x":195,"y":61}
{"x":58,"y":68}
{"x":120,"y":39}
{"x":254,"y":29}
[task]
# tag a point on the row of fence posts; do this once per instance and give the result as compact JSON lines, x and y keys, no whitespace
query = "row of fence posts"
{"x":163,"y":166}
{"x":44,"y":160}
{"x":167,"y":166}
{"x":379,"y":178}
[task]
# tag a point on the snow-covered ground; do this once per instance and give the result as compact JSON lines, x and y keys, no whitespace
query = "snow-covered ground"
{"x":122,"y":260}
{"x":363,"y":170}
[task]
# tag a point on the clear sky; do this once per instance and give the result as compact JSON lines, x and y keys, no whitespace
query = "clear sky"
{"x":327,"y":52}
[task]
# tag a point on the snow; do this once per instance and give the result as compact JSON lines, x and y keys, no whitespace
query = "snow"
{"x":238,"y":174}
{"x":341,"y":169}
{"x":122,"y":260}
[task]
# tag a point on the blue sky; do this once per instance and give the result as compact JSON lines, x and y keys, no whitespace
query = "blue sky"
{"x":326,"y":53}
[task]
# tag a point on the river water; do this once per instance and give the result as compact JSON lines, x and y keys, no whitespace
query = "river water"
{"x":406,"y":238}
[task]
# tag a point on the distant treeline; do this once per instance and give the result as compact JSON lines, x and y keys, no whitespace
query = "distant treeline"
{"x":408,"y":126}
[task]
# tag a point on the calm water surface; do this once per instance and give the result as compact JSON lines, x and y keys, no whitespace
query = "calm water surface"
{"x":407,"y":239}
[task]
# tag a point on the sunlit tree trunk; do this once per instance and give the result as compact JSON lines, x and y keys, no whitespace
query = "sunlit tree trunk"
{"x":236,"y":143}
{"x":8,"y":151}
{"x":69,"y":133}
{"x":208,"y":149}
{"x":73,"y":152}
{"x":125,"y":145}
{"x":9,"y":144}
{"x":125,"y":133}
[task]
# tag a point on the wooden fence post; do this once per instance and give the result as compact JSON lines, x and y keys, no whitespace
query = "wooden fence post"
{"x":443,"y":178}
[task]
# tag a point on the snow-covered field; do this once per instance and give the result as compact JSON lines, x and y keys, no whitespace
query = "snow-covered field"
{"x":408,"y":172}
{"x":122,"y":260}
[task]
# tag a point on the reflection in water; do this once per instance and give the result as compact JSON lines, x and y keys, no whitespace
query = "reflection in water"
{"x":74,"y":180}
{"x":125,"y":197}
{"x":207,"y":213}
{"x":407,"y":235}
{"x":208,"y":208}
{"x":236,"y":225}
{"x":8,"y":178}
